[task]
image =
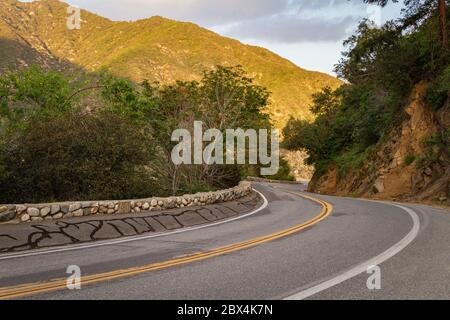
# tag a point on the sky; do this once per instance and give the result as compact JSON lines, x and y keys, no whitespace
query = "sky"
{"x":307,"y":32}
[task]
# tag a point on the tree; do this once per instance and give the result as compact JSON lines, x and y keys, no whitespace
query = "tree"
{"x":418,"y":10}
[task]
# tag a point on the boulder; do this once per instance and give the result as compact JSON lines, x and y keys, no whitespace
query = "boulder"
{"x":54,"y":209}
{"x":45,"y":211}
{"x":78,"y":213}
{"x":58,"y":215}
{"x":20,"y":209}
{"x":74,"y":207}
{"x":33,"y":212}
{"x":7,"y":215}
{"x":378,"y":186}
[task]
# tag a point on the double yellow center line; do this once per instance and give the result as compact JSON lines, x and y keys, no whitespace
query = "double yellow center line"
{"x":58,"y":284}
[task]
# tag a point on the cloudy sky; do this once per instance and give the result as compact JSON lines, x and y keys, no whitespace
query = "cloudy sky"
{"x":307,"y":32}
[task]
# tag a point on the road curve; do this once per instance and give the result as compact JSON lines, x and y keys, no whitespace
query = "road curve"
{"x":293,"y":248}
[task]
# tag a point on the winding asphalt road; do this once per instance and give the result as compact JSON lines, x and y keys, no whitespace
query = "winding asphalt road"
{"x":291,"y":248}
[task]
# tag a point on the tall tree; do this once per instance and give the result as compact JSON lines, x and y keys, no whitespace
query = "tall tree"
{"x":443,"y":23}
{"x":419,"y":9}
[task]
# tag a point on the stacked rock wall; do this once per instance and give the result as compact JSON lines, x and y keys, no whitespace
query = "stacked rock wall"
{"x":54,"y":211}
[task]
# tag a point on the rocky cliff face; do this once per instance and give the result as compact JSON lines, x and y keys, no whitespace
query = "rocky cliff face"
{"x":412,"y":164}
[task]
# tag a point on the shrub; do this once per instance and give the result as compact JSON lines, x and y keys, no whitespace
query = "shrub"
{"x":409,"y":159}
{"x":77,"y":156}
{"x":439,"y":91}
{"x":284,"y":173}
{"x":34,"y":91}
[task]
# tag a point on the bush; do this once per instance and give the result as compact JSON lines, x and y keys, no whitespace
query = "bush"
{"x":439,"y":91}
{"x":77,"y":156}
{"x":352,"y":159}
{"x":284,"y":173}
{"x":33,"y":91}
{"x":409,"y":159}
{"x":118,"y":144}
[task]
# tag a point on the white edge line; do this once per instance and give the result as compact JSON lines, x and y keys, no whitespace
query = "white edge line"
{"x":131,"y":239}
{"x":363,"y":267}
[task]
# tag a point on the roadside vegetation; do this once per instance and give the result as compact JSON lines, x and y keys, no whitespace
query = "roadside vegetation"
{"x":380,"y":68}
{"x":102,"y":137}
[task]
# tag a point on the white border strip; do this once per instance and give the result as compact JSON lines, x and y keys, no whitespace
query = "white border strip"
{"x":363,"y":267}
{"x":130,"y":239}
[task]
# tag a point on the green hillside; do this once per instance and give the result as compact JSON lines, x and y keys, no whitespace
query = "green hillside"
{"x":157,"y":49}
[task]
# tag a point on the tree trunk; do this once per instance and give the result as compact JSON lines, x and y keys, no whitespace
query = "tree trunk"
{"x":443,"y":24}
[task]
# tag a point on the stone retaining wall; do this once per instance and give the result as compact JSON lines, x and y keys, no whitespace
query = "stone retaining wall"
{"x":55,"y":211}
{"x":257,"y":179}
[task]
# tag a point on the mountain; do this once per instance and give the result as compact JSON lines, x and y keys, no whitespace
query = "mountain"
{"x":157,"y":49}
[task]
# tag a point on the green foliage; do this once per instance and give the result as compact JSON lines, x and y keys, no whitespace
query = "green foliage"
{"x":77,"y":156}
{"x":284,"y":173}
{"x":156,"y":49}
{"x":409,"y":159}
{"x":55,"y":147}
{"x":123,"y":97}
{"x":224,"y":98}
{"x":352,"y":159}
{"x":198,"y":187}
{"x":435,"y":146}
{"x":381,"y":66}
{"x":439,"y":90}
{"x":32,"y":91}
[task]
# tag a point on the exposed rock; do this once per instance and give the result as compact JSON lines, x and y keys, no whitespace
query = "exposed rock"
{"x":45,"y":211}
{"x":65,"y":209}
{"x":78,"y":213}
{"x":378,"y":186}
{"x":78,"y":209}
{"x":20,"y":209}
{"x":85,"y":205}
{"x":74,"y":207}
{"x":94,"y":210}
{"x":54,"y":209}
{"x":33,"y":212}
{"x":424,"y":181}
{"x":68,"y":215}
{"x":7,"y":215}
{"x":58,"y":215}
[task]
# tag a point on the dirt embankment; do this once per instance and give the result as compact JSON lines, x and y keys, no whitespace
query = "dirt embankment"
{"x":411,"y":165}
